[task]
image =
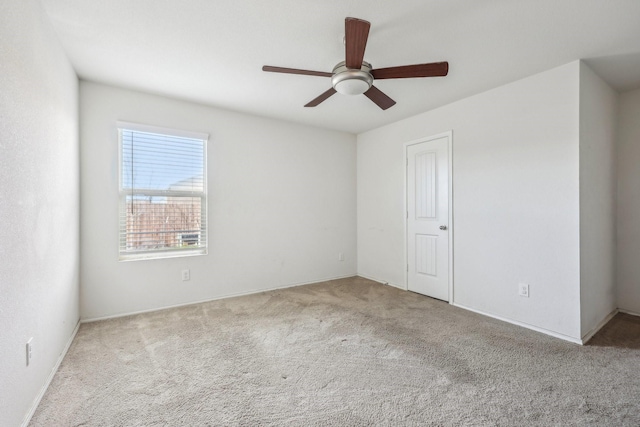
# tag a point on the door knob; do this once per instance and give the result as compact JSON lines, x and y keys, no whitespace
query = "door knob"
{"x":443,"y":227}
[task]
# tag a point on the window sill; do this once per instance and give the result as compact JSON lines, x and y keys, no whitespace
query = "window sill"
{"x":142,"y":256}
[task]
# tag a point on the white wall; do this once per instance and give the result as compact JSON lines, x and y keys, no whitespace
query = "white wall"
{"x":516,"y":199}
{"x":598,"y":123}
{"x":282,"y":205}
{"x":38,"y":204}
{"x":628,"y":215}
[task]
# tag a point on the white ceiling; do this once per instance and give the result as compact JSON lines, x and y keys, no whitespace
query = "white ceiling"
{"x":212,"y":51}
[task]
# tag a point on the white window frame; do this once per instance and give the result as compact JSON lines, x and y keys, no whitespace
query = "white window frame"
{"x":123,"y":193}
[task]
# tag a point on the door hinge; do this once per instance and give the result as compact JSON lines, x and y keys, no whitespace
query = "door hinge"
{"x":407,"y":268}
{"x":407,"y":161}
{"x":407,"y":214}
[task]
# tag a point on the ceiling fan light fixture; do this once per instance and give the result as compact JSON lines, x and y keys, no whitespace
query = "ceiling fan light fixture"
{"x":352,"y":86}
{"x":348,"y":81}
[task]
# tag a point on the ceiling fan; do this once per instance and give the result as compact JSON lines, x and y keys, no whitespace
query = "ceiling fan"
{"x":354,"y":76}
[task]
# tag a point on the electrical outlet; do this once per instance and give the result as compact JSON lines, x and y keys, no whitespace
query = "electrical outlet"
{"x":185,"y":275}
{"x":29,"y":351}
{"x":340,"y":256}
{"x":523,"y":290}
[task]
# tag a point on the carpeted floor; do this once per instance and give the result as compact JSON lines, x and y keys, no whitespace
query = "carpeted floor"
{"x":349,"y":352}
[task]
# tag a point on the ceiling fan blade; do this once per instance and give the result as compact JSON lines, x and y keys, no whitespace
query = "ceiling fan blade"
{"x":271,"y":69}
{"x":434,"y":69}
{"x":321,"y":98}
{"x":356,"y":32}
{"x":379,"y":98}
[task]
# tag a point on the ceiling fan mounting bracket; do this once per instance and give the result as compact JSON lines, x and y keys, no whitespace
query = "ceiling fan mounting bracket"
{"x":351,"y":81}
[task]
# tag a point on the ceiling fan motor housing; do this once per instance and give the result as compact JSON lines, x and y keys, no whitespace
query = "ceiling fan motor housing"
{"x":349,"y":81}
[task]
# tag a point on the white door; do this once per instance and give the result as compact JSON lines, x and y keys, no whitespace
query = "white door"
{"x":428,"y":217}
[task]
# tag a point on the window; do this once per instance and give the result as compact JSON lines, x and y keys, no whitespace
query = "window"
{"x":163,"y":199}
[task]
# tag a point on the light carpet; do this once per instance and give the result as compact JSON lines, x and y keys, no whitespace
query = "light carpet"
{"x":349,"y":352}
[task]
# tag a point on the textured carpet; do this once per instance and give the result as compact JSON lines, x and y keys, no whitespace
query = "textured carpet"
{"x":346,"y":353}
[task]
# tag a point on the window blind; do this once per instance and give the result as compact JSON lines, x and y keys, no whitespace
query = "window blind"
{"x":162,"y":193}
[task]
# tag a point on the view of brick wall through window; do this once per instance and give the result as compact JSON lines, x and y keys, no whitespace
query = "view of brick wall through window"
{"x":157,"y":224}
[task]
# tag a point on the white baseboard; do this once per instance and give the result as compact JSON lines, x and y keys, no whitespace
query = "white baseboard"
{"x":524,"y":325}
{"x":238,"y":294}
{"x":571,"y":339}
{"x":384,"y":282}
{"x":633,"y":313}
{"x":504,"y":319}
{"x":45,"y":386}
{"x":599,"y":326}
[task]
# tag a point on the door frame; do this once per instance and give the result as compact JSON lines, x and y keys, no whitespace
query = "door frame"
{"x":405,"y":160}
